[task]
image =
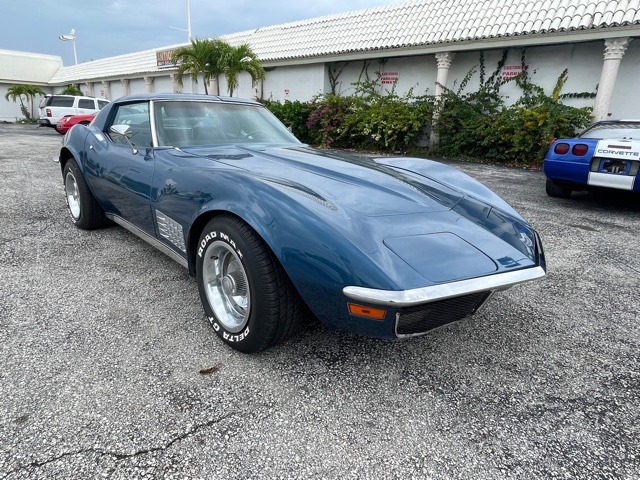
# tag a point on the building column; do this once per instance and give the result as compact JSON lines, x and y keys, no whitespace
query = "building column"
{"x":107,"y":89}
{"x":175,"y":85}
{"x":259,"y":90}
{"x":444,"y":60}
{"x":614,"y":49}
{"x":125,"y":86}
{"x":90,"y":91}
{"x":148,"y":81}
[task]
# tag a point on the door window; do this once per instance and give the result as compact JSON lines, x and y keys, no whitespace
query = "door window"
{"x":57,"y":101}
{"x":87,"y":103}
{"x":136,"y":116}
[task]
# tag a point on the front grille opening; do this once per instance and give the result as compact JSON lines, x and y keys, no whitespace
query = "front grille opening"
{"x":422,"y":318}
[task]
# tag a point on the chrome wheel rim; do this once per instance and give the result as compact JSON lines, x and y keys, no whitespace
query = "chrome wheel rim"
{"x":73,"y":196}
{"x":226,"y":286}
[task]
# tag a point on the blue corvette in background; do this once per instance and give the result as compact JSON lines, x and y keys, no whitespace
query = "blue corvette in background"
{"x":269,"y":227}
{"x":607,"y":154}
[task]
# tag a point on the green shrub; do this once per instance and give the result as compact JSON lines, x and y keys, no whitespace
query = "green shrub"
{"x":474,"y":124}
{"x":294,"y":115}
{"x":479,"y":125}
{"x":386,"y":122}
{"x":72,"y":89}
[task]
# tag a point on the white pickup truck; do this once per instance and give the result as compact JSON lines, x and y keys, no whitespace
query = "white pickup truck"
{"x":54,"y":107}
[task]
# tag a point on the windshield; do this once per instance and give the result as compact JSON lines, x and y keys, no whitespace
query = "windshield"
{"x":186,"y":123}
{"x":614,"y":131}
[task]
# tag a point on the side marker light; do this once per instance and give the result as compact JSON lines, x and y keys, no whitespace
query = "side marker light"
{"x":367,"y":312}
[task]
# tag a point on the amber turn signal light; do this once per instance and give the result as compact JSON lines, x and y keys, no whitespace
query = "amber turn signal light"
{"x":367,"y":312}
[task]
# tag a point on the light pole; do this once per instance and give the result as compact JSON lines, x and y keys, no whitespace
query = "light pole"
{"x":188,"y":30}
{"x":188,"y":22}
{"x":71,"y":37}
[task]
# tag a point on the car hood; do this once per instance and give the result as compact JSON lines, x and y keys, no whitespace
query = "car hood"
{"x":425,"y":212}
{"x":372,"y":186}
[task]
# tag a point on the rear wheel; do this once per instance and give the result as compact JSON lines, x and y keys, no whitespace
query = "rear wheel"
{"x":86,"y":213}
{"x":246,"y":294}
{"x":555,"y":190}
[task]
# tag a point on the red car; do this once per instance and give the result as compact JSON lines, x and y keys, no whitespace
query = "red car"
{"x":65,"y":123}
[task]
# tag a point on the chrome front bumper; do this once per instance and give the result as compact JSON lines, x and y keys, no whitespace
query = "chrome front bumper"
{"x":434,"y":293}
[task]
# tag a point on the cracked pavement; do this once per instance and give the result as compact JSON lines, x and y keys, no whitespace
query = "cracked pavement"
{"x":103,"y":339}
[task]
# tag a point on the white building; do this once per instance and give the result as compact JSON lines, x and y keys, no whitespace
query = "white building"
{"x":24,"y":68}
{"x":420,"y":45}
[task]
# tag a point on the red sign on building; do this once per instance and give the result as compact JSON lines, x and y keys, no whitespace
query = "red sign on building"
{"x":510,"y":71}
{"x":163,"y":58}
{"x":389,"y":78}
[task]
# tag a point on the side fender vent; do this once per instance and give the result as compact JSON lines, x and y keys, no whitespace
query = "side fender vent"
{"x":171,"y":230}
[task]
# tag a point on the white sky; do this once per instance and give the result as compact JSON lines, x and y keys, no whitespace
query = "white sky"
{"x":112,"y":27}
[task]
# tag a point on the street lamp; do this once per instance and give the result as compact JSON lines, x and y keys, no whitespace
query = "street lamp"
{"x":71,"y":37}
{"x":188,"y":30}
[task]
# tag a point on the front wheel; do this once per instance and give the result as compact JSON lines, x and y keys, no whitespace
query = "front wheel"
{"x":246,"y":294}
{"x":86,"y":213}
{"x":555,"y":190}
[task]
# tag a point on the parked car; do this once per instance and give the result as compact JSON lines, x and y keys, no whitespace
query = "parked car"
{"x":54,"y":107}
{"x":65,"y":123}
{"x":607,"y":154}
{"x":387,"y":247}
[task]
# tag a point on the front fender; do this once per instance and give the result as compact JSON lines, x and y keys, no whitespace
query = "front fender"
{"x":318,"y":259}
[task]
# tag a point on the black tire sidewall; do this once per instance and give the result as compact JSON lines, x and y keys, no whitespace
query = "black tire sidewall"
{"x":89,"y":217}
{"x":555,"y":190}
{"x":72,"y":167}
{"x":257,"y":334}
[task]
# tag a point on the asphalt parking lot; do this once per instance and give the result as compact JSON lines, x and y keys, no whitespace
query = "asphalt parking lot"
{"x":102,"y":340}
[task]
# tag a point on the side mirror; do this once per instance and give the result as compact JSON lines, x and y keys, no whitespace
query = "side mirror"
{"x":122,"y":130}
{"x":126,"y":132}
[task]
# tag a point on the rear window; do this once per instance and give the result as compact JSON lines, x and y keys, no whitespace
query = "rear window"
{"x":102,"y":104}
{"x":86,"y":103}
{"x":56,"y":101}
{"x":614,"y":131}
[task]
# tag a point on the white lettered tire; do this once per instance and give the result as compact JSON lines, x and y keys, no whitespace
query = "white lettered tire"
{"x":246,"y":294}
{"x":85,"y":211}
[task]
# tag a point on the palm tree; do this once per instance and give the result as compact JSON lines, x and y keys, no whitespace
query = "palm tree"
{"x":72,"y":89}
{"x":203,"y":57}
{"x":29,"y":91}
{"x":242,"y":59}
{"x":220,"y":51}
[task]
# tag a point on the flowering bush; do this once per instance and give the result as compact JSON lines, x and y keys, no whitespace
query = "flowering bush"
{"x":326,"y":122}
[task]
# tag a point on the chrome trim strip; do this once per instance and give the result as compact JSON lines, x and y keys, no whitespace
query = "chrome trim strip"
{"x":149,"y":239}
{"x":152,"y":123}
{"x":417,"y":296}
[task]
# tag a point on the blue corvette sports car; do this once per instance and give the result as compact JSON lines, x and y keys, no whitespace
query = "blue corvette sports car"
{"x":607,"y":154}
{"x":387,"y":247}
